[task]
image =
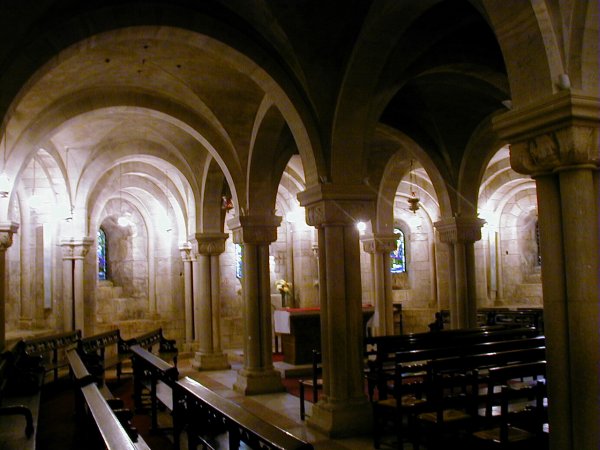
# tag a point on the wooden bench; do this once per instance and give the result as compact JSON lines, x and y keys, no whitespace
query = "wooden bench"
{"x":155,"y":375}
{"x":93,"y":352}
{"x":381,"y":351}
{"x":19,"y":397}
{"x":207,"y":417}
{"x":114,"y":427}
{"x":155,"y":342}
{"x":52,"y":350}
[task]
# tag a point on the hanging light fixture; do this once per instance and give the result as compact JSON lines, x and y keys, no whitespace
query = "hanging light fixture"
{"x":413,"y":200}
{"x":123,"y":219}
{"x":4,"y":181}
{"x":167,"y":223}
{"x":226,"y":201}
{"x":35,"y":200}
{"x":69,"y":215}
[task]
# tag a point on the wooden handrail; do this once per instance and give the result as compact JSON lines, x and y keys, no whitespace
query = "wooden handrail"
{"x":240,"y":424}
{"x":112,"y":432}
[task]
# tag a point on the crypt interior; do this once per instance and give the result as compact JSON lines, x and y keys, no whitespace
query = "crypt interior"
{"x":167,"y":163}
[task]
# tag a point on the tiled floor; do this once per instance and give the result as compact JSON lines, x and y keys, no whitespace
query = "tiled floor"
{"x":280,"y":409}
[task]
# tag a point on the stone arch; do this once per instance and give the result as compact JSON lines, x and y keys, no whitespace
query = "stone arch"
{"x":533,"y":59}
{"x":248,"y":56}
{"x":271,"y":150}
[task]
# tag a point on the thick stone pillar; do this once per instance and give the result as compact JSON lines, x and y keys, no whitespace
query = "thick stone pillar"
{"x":207,"y":297}
{"x":343,"y":409}
{"x":379,"y":246}
{"x":255,"y":233}
{"x":461,"y":233}
{"x":557,"y":142}
{"x":74,"y":252}
{"x":187,"y":259}
{"x":7,"y":230}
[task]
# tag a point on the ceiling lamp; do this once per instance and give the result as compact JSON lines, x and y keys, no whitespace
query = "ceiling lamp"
{"x":35,"y":200}
{"x":413,"y":200}
{"x":4,"y":185}
{"x":226,"y":203}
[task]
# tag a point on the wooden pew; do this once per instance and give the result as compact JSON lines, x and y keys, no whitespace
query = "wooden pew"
{"x":155,"y":375}
{"x":205,"y":414}
{"x":155,"y":342}
{"x":116,"y":433}
{"x":18,"y":398}
{"x":381,"y":351}
{"x":52,"y":350}
{"x":93,"y":352}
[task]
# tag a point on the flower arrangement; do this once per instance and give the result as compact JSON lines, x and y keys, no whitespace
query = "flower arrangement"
{"x":283,"y":286}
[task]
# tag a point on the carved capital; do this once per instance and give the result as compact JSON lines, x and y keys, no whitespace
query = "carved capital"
{"x":76,"y":248}
{"x":459,"y":229}
{"x":259,"y":229}
{"x":7,"y":230}
{"x":571,"y":146}
{"x":555,"y":132}
{"x":186,"y":252}
{"x":210,"y":243}
{"x":329,"y":204}
{"x":379,"y":243}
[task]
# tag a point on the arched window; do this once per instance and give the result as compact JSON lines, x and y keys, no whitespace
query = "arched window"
{"x":102,"y":255}
{"x":398,"y":256}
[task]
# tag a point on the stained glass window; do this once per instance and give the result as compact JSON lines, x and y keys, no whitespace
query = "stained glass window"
{"x":102,"y":256}
{"x":398,"y":256}
{"x":238,"y":260}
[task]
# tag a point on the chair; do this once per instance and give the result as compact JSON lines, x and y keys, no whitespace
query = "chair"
{"x":508,"y":436}
{"x":516,"y":417}
{"x":407,"y":401}
{"x":315,"y":382}
{"x":452,"y":407}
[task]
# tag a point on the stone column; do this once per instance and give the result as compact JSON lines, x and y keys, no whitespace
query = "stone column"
{"x":379,"y":246}
{"x":461,"y":233}
{"x":187,"y":258}
{"x":7,"y":230}
{"x":208,"y":300}
{"x":557,"y":142}
{"x":343,"y":409}
{"x":255,"y":233}
{"x":74,"y":252}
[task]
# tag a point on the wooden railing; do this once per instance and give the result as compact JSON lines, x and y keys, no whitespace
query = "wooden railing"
{"x":52,"y":349}
{"x":157,"y":376}
{"x":113,"y":433}
{"x":206,"y":415}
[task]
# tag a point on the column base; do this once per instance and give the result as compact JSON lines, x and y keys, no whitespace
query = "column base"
{"x":190,"y":347}
{"x":342,"y":419}
{"x":258,"y":382}
{"x":210,"y":361}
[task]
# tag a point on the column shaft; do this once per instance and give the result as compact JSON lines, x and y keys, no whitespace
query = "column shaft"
{"x":207,"y":301}
{"x":580,"y":236}
{"x":78,"y":293}
{"x":555,"y":310}
{"x":205,"y":305}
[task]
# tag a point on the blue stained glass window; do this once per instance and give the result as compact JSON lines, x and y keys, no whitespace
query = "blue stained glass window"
{"x":398,"y":256}
{"x":238,"y":260}
{"x":102,"y":257}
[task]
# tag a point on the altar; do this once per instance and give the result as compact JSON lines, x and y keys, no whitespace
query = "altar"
{"x":300,"y":332}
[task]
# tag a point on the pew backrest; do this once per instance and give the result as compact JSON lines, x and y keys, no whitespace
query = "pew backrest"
{"x":113,"y":433}
{"x":155,"y":342}
{"x":51,"y":349}
{"x":189,"y":395}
